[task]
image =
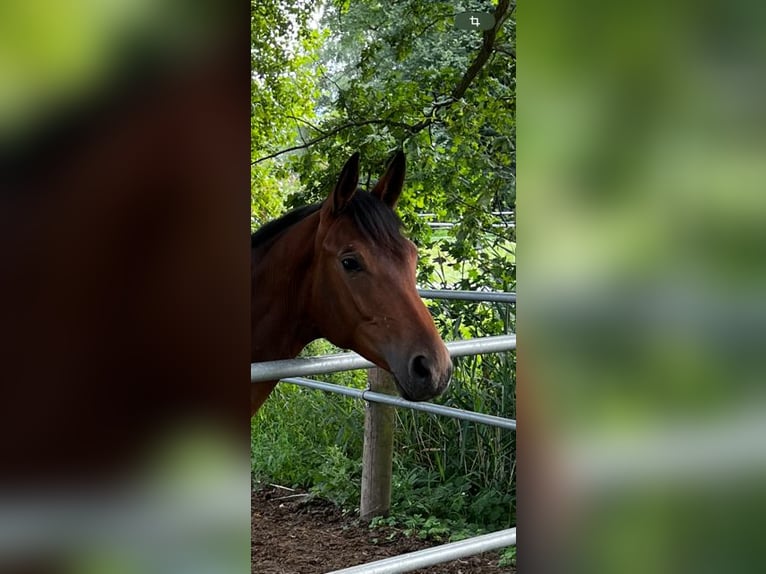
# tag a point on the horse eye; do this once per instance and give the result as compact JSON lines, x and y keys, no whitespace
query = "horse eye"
{"x":350,"y":264}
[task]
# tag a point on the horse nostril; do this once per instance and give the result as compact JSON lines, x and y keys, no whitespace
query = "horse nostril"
{"x":419,"y":367}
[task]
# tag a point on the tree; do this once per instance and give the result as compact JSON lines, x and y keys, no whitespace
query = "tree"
{"x":283,"y":87}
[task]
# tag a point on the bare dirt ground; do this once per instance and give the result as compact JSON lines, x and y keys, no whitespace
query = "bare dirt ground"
{"x":298,"y":535}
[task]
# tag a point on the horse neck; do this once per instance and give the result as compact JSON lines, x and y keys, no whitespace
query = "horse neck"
{"x":281,"y":286}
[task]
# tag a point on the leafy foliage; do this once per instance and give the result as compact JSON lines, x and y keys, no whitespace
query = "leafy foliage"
{"x":283,"y":90}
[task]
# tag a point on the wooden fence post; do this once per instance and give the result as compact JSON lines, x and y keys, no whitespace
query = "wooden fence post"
{"x":378,"y":449}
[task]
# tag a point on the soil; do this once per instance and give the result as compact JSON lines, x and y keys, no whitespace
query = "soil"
{"x":293,"y":533}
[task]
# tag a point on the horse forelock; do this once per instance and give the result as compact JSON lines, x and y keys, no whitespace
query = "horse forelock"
{"x":376,"y":221}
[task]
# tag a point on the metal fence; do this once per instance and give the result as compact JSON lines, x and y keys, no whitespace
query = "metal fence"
{"x":294,"y":370}
{"x":481,"y":296}
{"x":435,"y":555}
{"x":301,"y":367}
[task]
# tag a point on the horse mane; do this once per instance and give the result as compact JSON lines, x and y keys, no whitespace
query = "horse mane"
{"x":373,"y":218}
{"x":274,"y":228}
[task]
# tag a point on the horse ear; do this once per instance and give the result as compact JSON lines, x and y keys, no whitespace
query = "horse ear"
{"x":347,"y":184}
{"x":389,"y":187}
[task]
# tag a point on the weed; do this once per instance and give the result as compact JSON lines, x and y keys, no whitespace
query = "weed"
{"x":508,"y":557}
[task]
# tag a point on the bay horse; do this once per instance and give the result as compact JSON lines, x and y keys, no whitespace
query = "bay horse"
{"x":342,"y":270}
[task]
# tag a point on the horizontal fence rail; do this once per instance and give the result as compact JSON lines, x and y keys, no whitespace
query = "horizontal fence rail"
{"x":301,"y":367}
{"x":447,"y":225}
{"x":432,"y":408}
{"x":455,"y":294}
{"x":435,"y":555}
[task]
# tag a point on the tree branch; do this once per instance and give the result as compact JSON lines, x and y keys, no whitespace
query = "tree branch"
{"x":484,"y":53}
{"x":488,"y":42}
{"x":328,"y":134}
{"x":312,"y":126}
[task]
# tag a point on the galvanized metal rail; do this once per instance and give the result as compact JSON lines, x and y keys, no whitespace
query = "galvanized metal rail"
{"x":435,"y":555}
{"x":301,"y":367}
{"x":432,"y":408}
{"x":485,"y":296}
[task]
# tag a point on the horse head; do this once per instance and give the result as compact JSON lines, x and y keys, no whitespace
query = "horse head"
{"x":363,"y":295}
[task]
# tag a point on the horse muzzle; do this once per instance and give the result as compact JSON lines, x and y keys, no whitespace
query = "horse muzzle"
{"x":422,"y":376}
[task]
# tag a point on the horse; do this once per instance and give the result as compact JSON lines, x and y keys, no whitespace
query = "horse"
{"x":342,"y":270}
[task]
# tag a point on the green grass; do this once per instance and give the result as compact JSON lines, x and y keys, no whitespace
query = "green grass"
{"x":311,"y":439}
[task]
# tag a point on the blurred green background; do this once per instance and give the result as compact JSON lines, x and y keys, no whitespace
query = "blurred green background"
{"x":60,"y":57}
{"x":77,"y":81}
{"x":642,"y":227}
